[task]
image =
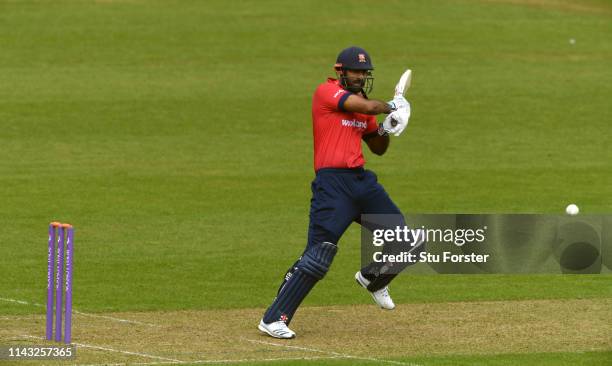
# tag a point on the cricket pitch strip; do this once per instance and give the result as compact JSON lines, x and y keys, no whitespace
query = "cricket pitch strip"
{"x":359,"y":332}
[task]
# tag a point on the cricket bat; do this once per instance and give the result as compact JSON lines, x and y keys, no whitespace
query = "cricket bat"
{"x":402,"y":85}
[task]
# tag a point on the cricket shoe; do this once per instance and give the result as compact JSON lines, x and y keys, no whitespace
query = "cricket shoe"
{"x":381,"y":297}
{"x":277,"y":329}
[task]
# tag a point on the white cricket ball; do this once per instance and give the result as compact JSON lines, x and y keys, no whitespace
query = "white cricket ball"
{"x":572,"y":41}
{"x":572,"y":210}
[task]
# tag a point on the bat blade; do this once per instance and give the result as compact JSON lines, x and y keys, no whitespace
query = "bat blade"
{"x":404,"y":83}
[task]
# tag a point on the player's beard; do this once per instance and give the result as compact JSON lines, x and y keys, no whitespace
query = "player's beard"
{"x":357,"y":86}
{"x":354,"y":85}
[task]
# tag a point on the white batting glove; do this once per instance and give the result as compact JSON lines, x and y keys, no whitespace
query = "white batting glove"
{"x":387,"y":126}
{"x":398,"y":102}
{"x":399,"y":119}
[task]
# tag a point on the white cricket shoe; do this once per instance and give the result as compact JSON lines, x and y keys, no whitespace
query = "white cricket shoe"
{"x":277,"y":329}
{"x":381,"y":297}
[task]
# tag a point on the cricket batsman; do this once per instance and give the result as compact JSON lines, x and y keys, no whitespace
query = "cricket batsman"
{"x":342,"y":116}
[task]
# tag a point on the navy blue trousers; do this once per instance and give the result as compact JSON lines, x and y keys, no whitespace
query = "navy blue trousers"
{"x":339,"y":197}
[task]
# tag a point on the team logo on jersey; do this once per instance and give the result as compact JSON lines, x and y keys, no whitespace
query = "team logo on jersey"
{"x":362,"y":58}
{"x":338,"y":93}
{"x":354,"y":123}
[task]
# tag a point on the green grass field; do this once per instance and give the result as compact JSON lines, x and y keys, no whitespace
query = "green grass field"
{"x":176,"y":137}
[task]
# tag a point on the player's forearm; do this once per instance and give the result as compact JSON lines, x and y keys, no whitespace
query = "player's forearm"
{"x":355,"y":103}
{"x":375,"y":107}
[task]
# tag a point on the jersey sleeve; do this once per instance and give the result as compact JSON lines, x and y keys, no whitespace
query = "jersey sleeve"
{"x":332,"y":97}
{"x":372,"y":125}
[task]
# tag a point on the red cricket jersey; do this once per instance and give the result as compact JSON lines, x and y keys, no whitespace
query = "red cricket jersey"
{"x":337,"y":133}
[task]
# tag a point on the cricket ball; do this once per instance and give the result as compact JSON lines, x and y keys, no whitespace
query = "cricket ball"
{"x":572,"y":210}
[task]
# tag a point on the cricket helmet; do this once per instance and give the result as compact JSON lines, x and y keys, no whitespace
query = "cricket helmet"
{"x":355,"y":58}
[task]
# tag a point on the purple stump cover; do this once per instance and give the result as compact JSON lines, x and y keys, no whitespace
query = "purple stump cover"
{"x":50,"y":264}
{"x":59,"y":276}
{"x":69,"y":258}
